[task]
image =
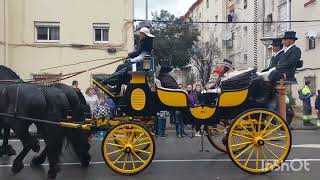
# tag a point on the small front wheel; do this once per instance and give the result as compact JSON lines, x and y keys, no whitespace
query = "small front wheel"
{"x":128,"y":148}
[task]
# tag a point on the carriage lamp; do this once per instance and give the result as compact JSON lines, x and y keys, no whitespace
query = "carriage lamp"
{"x":147,"y":62}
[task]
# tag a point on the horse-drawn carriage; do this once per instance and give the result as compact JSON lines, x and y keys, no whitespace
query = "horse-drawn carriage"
{"x":257,"y":140}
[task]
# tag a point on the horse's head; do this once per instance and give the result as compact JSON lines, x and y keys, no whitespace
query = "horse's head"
{"x":8,"y":74}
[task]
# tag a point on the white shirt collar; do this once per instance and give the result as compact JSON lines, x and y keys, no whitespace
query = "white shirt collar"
{"x":275,"y":54}
{"x":288,"y":48}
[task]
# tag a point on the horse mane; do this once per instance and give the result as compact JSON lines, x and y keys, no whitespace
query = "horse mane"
{"x":8,"y":73}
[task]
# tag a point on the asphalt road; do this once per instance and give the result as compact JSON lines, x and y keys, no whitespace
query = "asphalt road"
{"x":177,"y":159}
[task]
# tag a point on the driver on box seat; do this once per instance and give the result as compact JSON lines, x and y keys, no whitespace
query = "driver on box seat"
{"x":144,"y":48}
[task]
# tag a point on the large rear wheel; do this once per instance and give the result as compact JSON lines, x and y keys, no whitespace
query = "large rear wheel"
{"x":267,"y":139}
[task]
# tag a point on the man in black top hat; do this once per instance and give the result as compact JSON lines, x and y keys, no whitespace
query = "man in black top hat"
{"x":277,"y":48}
{"x":289,"y":60}
{"x":167,"y":81}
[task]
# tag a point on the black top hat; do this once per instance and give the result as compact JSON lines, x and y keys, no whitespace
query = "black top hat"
{"x":165,"y":69}
{"x":277,"y":42}
{"x":226,"y":62}
{"x":290,"y":35}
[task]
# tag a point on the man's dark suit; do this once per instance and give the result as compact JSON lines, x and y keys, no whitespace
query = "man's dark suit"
{"x":274,"y":61}
{"x":287,"y":64}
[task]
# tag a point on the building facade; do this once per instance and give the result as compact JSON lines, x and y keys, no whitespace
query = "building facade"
{"x":41,"y":34}
{"x":309,"y":42}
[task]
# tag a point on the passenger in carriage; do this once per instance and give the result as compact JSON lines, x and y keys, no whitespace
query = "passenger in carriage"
{"x":167,"y":81}
{"x":277,"y":48}
{"x":222,"y":71}
{"x":134,"y":58}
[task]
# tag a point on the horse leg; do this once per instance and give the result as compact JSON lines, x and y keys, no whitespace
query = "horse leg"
{"x":39,"y":160}
{"x":54,"y":147}
{"x":80,"y":143}
{"x":18,"y":162}
{"x":7,"y":149}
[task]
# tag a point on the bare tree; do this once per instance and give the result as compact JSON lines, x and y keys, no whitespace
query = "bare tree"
{"x":203,"y":56}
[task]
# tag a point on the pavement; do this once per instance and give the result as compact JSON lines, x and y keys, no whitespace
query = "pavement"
{"x":178,"y":159}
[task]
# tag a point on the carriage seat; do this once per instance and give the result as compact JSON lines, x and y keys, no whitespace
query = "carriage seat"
{"x":171,"y":97}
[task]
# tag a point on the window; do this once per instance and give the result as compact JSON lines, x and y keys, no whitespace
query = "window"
{"x":282,"y":16}
{"x":312,"y":43}
{"x":245,"y":4}
{"x":47,"y":31}
{"x":101,"y":32}
{"x":208,"y":4}
{"x":245,"y":31}
{"x":245,"y":58}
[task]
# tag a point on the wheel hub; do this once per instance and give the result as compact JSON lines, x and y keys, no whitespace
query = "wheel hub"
{"x":128,"y":149}
{"x":258,"y":141}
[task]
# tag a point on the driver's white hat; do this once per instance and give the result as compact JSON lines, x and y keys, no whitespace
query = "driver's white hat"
{"x":146,"y":31}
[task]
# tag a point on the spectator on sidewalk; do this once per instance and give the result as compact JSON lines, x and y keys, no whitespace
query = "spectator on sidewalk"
{"x":305,"y":96}
{"x":91,"y":99}
{"x":101,"y":110}
{"x":160,"y":125}
{"x":317,"y":106}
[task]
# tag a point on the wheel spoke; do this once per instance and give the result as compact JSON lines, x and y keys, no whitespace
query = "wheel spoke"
{"x":259,"y":124}
{"x":125,"y":162}
{"x":117,"y":138}
{"x":275,"y":145}
{"x":133,"y":163}
{"x":257,"y":158}
{"x":137,"y":156}
{"x":271,"y":152}
{"x":119,"y":157}
{"x":137,"y":138}
{"x":114,"y":152}
{"x":267,"y":125}
{"x":245,"y":150}
{"x":112,"y":144}
{"x":146,"y":143}
{"x":142,"y":151}
{"x":249,"y":157}
{"x":239,"y":135}
{"x":241,"y":144}
{"x":246,"y":129}
{"x":273,"y":130}
{"x":264,"y":156}
{"x":274,"y":138}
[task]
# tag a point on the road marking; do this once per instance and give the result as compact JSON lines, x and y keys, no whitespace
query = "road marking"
{"x":170,"y":161}
{"x":315,"y":146}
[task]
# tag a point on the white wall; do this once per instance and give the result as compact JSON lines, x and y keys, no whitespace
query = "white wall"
{"x":76,"y":19}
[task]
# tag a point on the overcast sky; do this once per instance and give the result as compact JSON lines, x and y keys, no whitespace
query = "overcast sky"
{"x":177,"y":7}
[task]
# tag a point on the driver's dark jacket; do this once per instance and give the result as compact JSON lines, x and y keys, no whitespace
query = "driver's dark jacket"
{"x":288,"y":61}
{"x":167,"y":81}
{"x":145,"y":45}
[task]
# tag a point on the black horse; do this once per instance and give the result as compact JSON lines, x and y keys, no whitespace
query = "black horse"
{"x":39,"y":102}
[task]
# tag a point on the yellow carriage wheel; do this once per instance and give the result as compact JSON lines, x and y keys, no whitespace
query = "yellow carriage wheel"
{"x":217,"y":136}
{"x":267,"y":138}
{"x":128,"y":148}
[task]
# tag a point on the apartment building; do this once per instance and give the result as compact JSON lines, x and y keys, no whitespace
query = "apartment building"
{"x":40,"y":34}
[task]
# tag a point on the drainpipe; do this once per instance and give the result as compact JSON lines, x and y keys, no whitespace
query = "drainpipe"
{"x":289,"y":13}
{"x":5,"y":61}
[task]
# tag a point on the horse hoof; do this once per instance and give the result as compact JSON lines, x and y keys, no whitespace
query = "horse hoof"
{"x":17,"y":167}
{"x":85,"y":164}
{"x":52,"y":175}
{"x":37,"y":161}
